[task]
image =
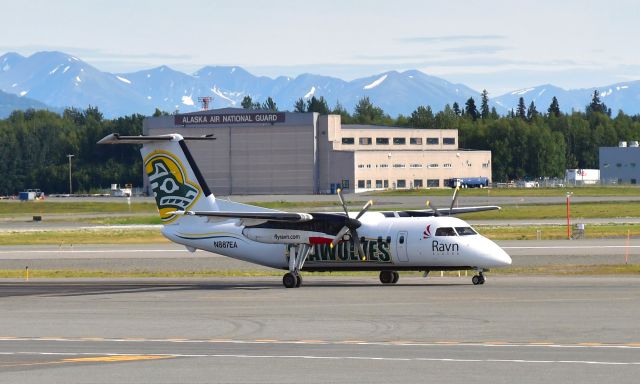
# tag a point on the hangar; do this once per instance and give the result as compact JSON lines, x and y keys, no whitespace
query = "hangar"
{"x":267,"y":152}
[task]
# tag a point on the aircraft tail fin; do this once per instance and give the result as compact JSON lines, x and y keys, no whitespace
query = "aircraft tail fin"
{"x":174,"y":176}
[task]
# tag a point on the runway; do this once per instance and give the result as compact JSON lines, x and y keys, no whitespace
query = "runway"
{"x":333,"y":329}
{"x":172,"y":257}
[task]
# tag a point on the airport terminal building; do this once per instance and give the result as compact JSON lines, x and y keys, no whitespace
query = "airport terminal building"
{"x":266,"y":152}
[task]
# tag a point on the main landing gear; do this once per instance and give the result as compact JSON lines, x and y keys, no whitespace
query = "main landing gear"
{"x":292,"y":279}
{"x":478,"y":279}
{"x":389,"y":277}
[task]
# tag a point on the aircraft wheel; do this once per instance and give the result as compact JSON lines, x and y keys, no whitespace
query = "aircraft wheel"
{"x":289,"y":280}
{"x":386,"y":277}
{"x":298,"y":280}
{"x":396,"y":277}
{"x":477,"y":280}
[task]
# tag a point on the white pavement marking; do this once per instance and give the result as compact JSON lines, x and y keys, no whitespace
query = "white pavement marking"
{"x":314,"y":357}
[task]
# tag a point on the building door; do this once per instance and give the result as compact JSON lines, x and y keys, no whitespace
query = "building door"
{"x":401,"y":246}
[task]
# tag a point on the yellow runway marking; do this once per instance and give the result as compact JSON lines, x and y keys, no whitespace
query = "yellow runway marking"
{"x":110,"y":359}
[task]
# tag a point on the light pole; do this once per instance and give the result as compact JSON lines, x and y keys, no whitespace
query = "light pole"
{"x":70,"y":185}
{"x":569,"y":215}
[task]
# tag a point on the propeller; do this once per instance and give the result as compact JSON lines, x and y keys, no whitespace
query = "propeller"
{"x":454,"y":199}
{"x":351,"y":225}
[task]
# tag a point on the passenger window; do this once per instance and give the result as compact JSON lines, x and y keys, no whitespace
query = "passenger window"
{"x":445,"y":231}
{"x":465,"y":231}
{"x":401,"y":241}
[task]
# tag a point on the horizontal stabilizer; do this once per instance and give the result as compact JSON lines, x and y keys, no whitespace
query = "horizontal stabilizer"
{"x":291,"y":217}
{"x":115,"y":138}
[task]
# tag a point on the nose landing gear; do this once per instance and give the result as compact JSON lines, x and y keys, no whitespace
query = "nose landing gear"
{"x":478,"y":279}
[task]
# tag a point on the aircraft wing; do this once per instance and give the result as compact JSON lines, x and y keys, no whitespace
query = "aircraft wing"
{"x":291,"y":217}
{"x":454,"y":211}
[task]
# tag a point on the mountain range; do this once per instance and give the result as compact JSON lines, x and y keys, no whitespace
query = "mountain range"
{"x":56,"y":80}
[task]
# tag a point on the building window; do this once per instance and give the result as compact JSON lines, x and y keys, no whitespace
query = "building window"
{"x":485,"y":165}
{"x":384,"y":165}
{"x":633,"y":181}
{"x":449,"y":141}
{"x":364,"y":141}
{"x":345,"y":183}
{"x":417,"y":183}
{"x":378,"y":183}
{"x":399,"y":166}
{"x":399,"y":141}
{"x":433,"y":165}
{"x":433,"y":183}
{"x":382,"y":141}
{"x":360,"y":183}
{"x":446,"y":165}
{"x":360,"y":165}
{"x":386,"y":183}
{"x":348,"y":140}
{"x":415,"y":165}
{"x":415,"y":141}
{"x":402,"y":183}
{"x":368,"y":183}
{"x":433,"y":141}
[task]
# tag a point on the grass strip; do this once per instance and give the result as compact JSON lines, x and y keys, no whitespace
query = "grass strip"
{"x":551,"y":270}
{"x":591,"y":191}
{"x":84,"y":236}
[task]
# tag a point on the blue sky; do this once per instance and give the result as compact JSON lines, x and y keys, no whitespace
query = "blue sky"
{"x":492,"y":44}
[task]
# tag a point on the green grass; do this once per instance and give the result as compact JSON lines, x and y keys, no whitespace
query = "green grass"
{"x":557,"y":232}
{"x":110,"y":236}
{"x":518,"y":192}
{"x":12,"y":208}
{"x":553,"y":270}
{"x":559,"y":211}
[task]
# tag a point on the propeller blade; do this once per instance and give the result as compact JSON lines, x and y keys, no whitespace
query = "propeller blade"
{"x":358,"y":245}
{"x":434,"y":209}
{"x":344,"y":206}
{"x":339,"y":236}
{"x":365,"y":209}
{"x":454,"y":198}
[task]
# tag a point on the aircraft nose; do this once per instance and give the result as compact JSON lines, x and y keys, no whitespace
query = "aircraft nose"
{"x":496,"y":256}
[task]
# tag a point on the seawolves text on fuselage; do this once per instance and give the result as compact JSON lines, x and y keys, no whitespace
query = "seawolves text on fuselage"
{"x":374,"y":250}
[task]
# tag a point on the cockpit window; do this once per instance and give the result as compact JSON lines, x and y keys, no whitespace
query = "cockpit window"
{"x":465,"y":231}
{"x":445,"y":231}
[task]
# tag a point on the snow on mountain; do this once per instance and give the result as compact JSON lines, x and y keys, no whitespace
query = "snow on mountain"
{"x":61,"y":80}
{"x":621,"y":96}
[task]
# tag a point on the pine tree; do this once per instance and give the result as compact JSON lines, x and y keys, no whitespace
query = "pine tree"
{"x":597,"y":106}
{"x":484,"y":104}
{"x":456,"y":108}
{"x":422,"y":117}
{"x":247,"y":102}
{"x":318,"y":105}
{"x":532,"y":112}
{"x":270,"y":104}
{"x":554,"y":108}
{"x":521,"y":111}
{"x":299,"y":106}
{"x":470,"y":109}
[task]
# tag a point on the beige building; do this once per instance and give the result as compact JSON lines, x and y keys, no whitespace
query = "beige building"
{"x":264,"y":152}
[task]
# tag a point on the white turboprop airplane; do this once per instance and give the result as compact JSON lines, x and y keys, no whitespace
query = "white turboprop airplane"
{"x":369,"y":241}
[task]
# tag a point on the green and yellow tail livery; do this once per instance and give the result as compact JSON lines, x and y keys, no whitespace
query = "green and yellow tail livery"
{"x":174,"y":177}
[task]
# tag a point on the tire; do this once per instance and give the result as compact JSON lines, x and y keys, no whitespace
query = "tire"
{"x":475,"y":280}
{"x":298,"y":281}
{"x":289,"y":280}
{"x":396,"y":277}
{"x":386,"y":277}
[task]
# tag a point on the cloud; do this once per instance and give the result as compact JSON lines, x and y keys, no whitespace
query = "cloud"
{"x":450,"y":38}
{"x":477,"y":49}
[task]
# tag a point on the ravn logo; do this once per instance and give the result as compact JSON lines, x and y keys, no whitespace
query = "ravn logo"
{"x":427,"y":232}
{"x":171,"y":188}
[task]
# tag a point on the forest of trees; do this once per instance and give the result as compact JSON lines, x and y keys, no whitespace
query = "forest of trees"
{"x":529,"y":142}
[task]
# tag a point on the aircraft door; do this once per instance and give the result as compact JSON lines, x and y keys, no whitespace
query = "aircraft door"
{"x":401,"y":246}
